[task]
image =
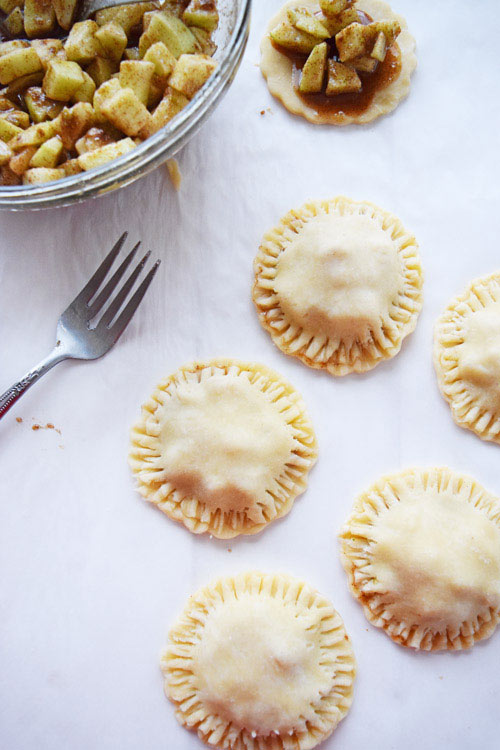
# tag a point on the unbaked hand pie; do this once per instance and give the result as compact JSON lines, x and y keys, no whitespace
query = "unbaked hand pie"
{"x":338,"y":284}
{"x":422,"y":553}
{"x":223,"y":447}
{"x":467,"y":357}
{"x":259,"y":662}
{"x":338,"y":61}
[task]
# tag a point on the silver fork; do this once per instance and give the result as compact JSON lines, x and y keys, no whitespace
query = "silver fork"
{"x":75,"y":338}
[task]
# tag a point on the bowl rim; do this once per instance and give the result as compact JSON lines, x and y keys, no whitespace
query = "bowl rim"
{"x":147,"y":155}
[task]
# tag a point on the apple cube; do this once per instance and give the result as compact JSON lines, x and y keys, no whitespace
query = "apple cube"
{"x":65,"y":10}
{"x":20,"y":62}
{"x":81,"y":45}
{"x":137,"y":75}
{"x":171,"y":104}
{"x":62,"y":80}
{"x":42,"y":174}
{"x":379,"y":48}
{"x":126,"y":112}
{"x":332,"y":8}
{"x":287,"y":36}
{"x":48,"y":154}
{"x":162,"y":59}
{"x":48,"y":49}
{"x":5,"y":153}
{"x":73,"y":122}
{"x":14,"y":23}
{"x":304,"y":20}
{"x":190,"y":73}
{"x":342,"y":79}
{"x":201,"y":13}
{"x":113,"y":41}
{"x":39,"y":106}
{"x":39,"y":17}
{"x":100,"y":156}
{"x":313,"y":72}
{"x":166,"y":28}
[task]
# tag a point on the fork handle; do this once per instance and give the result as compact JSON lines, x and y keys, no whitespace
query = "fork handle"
{"x":15,"y":392}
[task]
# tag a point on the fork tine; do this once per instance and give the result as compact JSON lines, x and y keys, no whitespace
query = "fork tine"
{"x":95,"y":282}
{"x":125,"y":317}
{"x":105,"y":294}
{"x":122,"y":294}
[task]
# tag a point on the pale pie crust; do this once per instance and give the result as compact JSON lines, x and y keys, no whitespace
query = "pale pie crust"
{"x":224,"y":447}
{"x":259,"y":662}
{"x":338,"y":284}
{"x":467,"y":357}
{"x":422,"y":553}
{"x":277,"y":69}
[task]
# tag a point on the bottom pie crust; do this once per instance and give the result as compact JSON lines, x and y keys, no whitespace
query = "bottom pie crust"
{"x":259,"y":662}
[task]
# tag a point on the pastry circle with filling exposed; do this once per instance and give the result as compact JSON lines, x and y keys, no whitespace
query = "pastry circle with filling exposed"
{"x":259,"y":662}
{"x":467,"y":357}
{"x":421,"y":549}
{"x":338,"y":284}
{"x":224,"y":447}
{"x":346,"y":89}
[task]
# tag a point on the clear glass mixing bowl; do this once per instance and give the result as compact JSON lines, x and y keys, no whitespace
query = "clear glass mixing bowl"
{"x":230,"y":37}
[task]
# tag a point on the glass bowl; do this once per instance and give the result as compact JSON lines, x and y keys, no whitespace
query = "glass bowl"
{"x":231,"y":37}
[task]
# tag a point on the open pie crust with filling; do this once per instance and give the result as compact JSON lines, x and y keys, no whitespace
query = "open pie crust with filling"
{"x":259,"y":662}
{"x":422,"y":553}
{"x":467,"y":357}
{"x":381,"y":91}
{"x":338,"y":284}
{"x":223,"y":447}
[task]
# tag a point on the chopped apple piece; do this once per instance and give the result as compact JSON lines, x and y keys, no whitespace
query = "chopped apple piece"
{"x":313,"y":72}
{"x":101,"y":70}
{"x":126,"y":16}
{"x":391,"y":30}
{"x":104,"y":154}
{"x":8,"y":130}
{"x":355,"y":40}
{"x":39,"y":106}
{"x":42,"y":174}
{"x":48,"y":154}
{"x":93,"y":138}
{"x":304,"y":20}
{"x":86,"y":91}
{"x":7,"y":6}
{"x":5,"y":153}
{"x":18,"y":63}
{"x":334,"y":24}
{"x":171,"y":104}
{"x":65,"y":10}
{"x":105,"y":91}
{"x":364,"y":64}
{"x":332,"y":8}
{"x":62,"y":80}
{"x":112,"y":39}
{"x":8,"y":177}
{"x":126,"y":112}
{"x":190,"y":73}
{"x":20,"y":162}
{"x":342,"y":79}
{"x":156,"y":91}
{"x":162,"y":59}
{"x":81,"y":45}
{"x":71,"y":167}
{"x":14,"y":44}
{"x":166,"y":28}
{"x":14,"y":23}
{"x":137,"y":75}
{"x":39,"y":17}
{"x":201,"y":13}
{"x":73,"y":122}
{"x":287,"y":36}
{"x":48,"y":49}
{"x":17,"y":117}
{"x":204,"y":43}
{"x":379,"y":48}
{"x":34,"y":135}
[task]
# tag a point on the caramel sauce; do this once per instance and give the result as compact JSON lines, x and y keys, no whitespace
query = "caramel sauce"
{"x":347,"y":104}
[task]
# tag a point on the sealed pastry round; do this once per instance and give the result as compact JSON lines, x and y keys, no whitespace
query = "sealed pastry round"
{"x":259,"y":662}
{"x":467,"y":357}
{"x":338,"y":284}
{"x":332,"y":76}
{"x":422,"y":553}
{"x":223,"y":447}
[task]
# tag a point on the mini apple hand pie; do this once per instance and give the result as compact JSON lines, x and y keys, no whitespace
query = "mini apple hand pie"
{"x":422,"y":553}
{"x":338,"y":61}
{"x":259,"y":662}
{"x":467,"y":357}
{"x":338,"y":284}
{"x":223,"y":447}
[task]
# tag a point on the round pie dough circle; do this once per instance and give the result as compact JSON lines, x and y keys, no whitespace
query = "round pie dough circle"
{"x":223,"y":446}
{"x":467,"y":357}
{"x":421,"y":549}
{"x":277,"y":69}
{"x":338,"y":283}
{"x":258,"y":662}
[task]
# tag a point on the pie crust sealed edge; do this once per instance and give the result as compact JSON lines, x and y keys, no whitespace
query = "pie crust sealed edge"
{"x":182,"y":686}
{"x":448,"y":336}
{"x":356,"y":538}
{"x":322,"y":352}
{"x":277,"y":70}
{"x":144,"y":454}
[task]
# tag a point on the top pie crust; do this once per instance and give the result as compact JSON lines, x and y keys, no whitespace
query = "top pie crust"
{"x":422,"y":552}
{"x":224,"y":447}
{"x":467,"y":357}
{"x":277,"y":69}
{"x":259,"y":661}
{"x":338,"y":284}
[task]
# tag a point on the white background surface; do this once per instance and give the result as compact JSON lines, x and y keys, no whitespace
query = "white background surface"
{"x":92,"y":577}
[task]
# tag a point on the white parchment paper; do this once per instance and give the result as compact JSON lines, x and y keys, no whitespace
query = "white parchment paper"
{"x":91,"y":577}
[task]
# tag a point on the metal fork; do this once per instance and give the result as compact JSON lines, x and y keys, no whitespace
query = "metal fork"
{"x":75,"y":338}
